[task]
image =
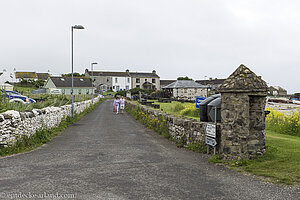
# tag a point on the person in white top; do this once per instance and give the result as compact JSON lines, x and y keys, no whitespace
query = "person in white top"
{"x":122,"y":104}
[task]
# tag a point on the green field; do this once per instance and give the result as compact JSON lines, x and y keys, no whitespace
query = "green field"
{"x":187,"y":110}
{"x":44,"y":100}
{"x":111,"y":93}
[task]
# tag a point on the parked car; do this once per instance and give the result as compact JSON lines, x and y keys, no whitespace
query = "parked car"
{"x":17,"y":97}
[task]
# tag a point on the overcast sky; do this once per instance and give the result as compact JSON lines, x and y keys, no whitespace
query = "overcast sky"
{"x":194,"y":38}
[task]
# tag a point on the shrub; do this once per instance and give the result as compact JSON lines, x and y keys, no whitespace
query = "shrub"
{"x":190,"y":110}
{"x":284,"y":123}
{"x":178,"y":107}
{"x":121,"y":93}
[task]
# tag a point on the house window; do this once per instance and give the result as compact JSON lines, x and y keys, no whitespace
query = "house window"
{"x":185,"y":90}
{"x":63,"y":91}
{"x":146,"y":80}
{"x":137,"y":80}
{"x":117,"y":87}
{"x":127,"y":87}
{"x":116,"y":80}
{"x":137,"y":86}
{"x":153,"y":80}
{"x":128,"y":80}
{"x":107,"y":80}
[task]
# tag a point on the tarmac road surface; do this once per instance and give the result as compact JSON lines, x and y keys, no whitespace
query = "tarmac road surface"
{"x":110,"y":156}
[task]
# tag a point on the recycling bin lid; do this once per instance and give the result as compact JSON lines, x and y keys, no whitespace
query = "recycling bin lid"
{"x":215,"y":103}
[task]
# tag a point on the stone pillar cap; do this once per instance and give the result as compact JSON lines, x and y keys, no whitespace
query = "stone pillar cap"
{"x":244,"y":80}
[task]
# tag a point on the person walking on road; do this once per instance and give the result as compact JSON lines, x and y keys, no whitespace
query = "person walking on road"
{"x":116,"y":105}
{"x":122,"y":105}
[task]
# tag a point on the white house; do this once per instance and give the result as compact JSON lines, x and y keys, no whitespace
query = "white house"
{"x":5,"y":76}
{"x":121,"y":83}
{"x":110,"y":81}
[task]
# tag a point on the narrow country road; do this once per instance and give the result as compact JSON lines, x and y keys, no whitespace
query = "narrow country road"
{"x":109,"y":156}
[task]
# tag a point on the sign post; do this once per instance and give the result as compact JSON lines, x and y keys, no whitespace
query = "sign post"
{"x":198,"y":101}
{"x":211,"y":133}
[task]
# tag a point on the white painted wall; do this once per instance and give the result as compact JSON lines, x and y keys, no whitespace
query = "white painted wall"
{"x":119,"y":83}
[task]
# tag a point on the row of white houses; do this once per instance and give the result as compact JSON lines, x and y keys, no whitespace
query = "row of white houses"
{"x":116,"y":81}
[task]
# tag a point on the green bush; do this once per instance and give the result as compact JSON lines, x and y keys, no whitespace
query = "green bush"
{"x":121,"y":93}
{"x":279,"y":122}
{"x":178,"y":107}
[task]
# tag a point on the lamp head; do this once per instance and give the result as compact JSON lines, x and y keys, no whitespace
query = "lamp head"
{"x":94,"y":63}
{"x":78,"y":27}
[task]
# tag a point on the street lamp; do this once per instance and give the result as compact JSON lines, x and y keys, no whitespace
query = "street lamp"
{"x":94,"y":63}
{"x":73,"y":27}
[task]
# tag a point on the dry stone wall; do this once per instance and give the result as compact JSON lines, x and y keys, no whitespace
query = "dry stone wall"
{"x":15,"y":124}
{"x":188,"y":131}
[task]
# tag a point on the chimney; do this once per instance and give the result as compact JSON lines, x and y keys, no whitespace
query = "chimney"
{"x":153,"y":72}
{"x":210,"y":78}
{"x":127,"y":71}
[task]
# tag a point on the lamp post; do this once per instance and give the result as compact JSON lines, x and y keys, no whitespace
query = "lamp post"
{"x":73,"y":27}
{"x":94,"y":63}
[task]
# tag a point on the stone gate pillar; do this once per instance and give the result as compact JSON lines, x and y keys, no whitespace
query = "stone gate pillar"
{"x":242,"y":115}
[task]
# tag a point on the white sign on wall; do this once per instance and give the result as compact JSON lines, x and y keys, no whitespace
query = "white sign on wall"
{"x":210,"y":141}
{"x":211,"y":130}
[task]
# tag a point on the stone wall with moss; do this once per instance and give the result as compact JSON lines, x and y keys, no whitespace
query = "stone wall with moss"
{"x":184,"y":131}
{"x":15,"y":124}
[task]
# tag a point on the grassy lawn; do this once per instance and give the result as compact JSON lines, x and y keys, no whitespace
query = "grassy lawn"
{"x":281,"y":164}
{"x":176,"y":108}
{"x":24,"y":90}
{"x":111,"y":93}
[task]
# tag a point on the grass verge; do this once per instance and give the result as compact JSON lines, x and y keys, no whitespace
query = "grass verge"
{"x":187,"y":110}
{"x":43,"y":136}
{"x":280,"y":164}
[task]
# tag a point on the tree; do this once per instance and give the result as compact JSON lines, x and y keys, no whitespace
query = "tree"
{"x":184,"y":78}
{"x":39,"y":83}
{"x":74,"y":75}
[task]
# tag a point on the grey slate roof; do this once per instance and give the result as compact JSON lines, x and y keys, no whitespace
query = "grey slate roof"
{"x":211,"y":82}
{"x":243,"y":79}
{"x":143,"y":75}
{"x":103,"y":73}
{"x":184,"y":84}
{"x":166,"y":82}
{"x":67,"y":81}
{"x":42,"y":76}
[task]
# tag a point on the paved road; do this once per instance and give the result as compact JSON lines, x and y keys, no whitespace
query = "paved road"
{"x":109,"y":156}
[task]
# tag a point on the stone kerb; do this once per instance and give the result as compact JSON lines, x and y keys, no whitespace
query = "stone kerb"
{"x":187,"y":131}
{"x":242,"y":115}
{"x":15,"y":124}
